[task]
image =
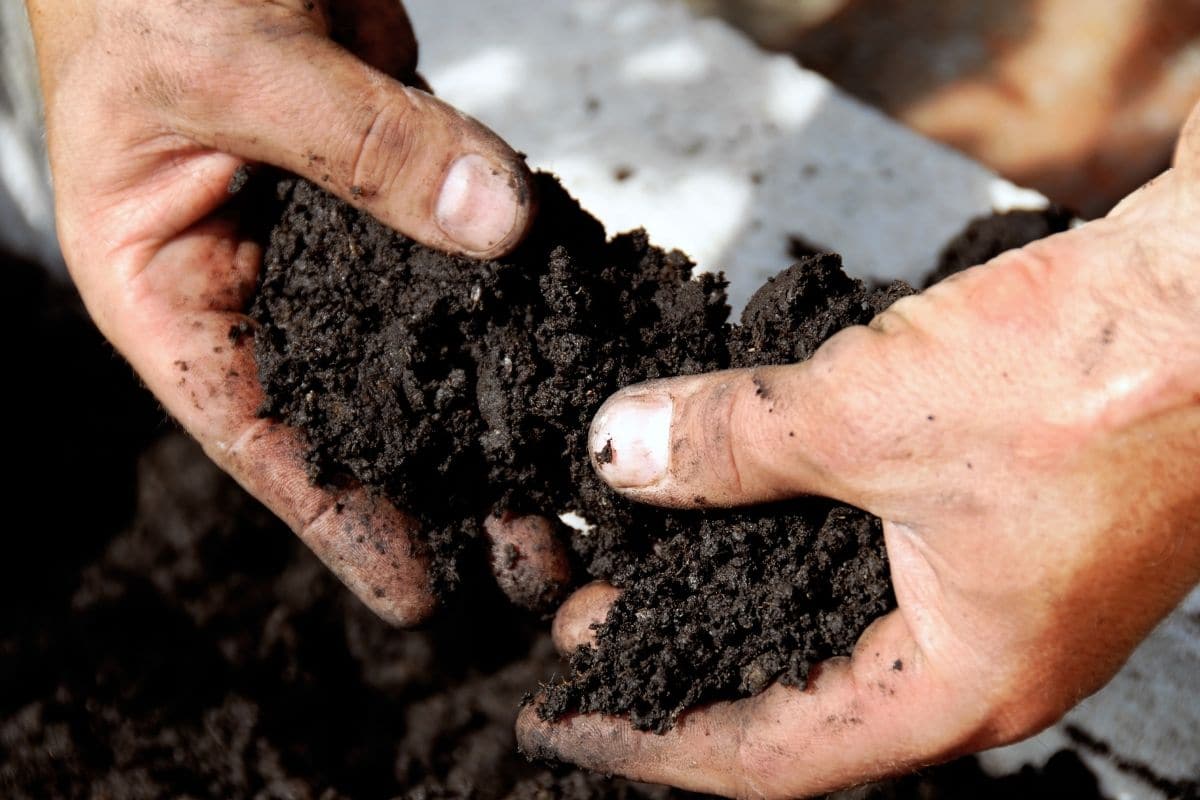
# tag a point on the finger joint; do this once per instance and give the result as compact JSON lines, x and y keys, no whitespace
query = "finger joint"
{"x":383,"y":147}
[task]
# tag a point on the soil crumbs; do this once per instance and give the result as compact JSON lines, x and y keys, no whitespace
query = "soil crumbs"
{"x":456,"y":387}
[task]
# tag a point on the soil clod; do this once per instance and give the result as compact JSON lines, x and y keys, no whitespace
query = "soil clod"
{"x":454,"y":386}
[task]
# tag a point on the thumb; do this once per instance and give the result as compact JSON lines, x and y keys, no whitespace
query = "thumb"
{"x":1187,"y":148}
{"x":751,"y":435}
{"x":413,"y":162}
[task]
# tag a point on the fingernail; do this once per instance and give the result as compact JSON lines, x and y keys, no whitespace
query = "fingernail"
{"x":631,"y":440}
{"x":477,"y":207}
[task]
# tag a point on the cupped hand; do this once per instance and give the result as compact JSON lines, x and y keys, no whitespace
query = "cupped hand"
{"x":1029,"y":431}
{"x":151,"y":110}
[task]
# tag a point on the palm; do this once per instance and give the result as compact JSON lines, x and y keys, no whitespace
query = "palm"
{"x":186,"y":281}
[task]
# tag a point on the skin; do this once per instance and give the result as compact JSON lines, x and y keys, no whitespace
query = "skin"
{"x":150,"y":110}
{"x":1029,"y":431}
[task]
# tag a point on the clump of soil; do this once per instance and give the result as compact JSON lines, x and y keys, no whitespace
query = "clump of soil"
{"x":988,"y":236}
{"x":456,"y":387}
{"x":720,"y":603}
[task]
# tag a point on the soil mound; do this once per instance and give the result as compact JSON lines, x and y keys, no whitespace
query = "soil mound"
{"x":456,"y":387}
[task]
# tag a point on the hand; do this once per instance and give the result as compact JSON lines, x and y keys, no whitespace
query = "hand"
{"x":1029,"y":431}
{"x":151,"y":108}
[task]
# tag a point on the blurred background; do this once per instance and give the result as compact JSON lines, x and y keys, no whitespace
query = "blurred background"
{"x":1079,"y":99}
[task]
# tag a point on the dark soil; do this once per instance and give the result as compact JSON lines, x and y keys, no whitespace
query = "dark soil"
{"x":720,"y":603}
{"x":162,"y":635}
{"x":456,"y":387}
{"x":206,"y":653}
{"x":986,"y":237}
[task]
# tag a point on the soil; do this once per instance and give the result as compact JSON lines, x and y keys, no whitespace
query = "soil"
{"x":163,"y":635}
{"x":456,"y":387}
{"x":718,"y":603}
{"x":988,"y":236}
{"x":460,"y":388}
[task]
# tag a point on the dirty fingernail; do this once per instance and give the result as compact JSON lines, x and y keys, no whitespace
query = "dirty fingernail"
{"x":478,"y":205}
{"x":631,"y":440}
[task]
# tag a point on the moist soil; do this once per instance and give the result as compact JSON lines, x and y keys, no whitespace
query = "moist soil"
{"x":163,"y":635}
{"x":987,"y":237}
{"x":459,"y":388}
{"x":456,"y":387}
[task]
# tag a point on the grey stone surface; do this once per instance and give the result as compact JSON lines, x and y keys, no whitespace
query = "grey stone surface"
{"x":26,"y":202}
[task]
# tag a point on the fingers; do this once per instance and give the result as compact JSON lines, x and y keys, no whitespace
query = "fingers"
{"x":881,"y":712}
{"x":181,"y":330}
{"x":363,"y":539}
{"x":409,"y":159}
{"x":587,"y":607}
{"x":528,"y":559}
{"x":739,"y":436}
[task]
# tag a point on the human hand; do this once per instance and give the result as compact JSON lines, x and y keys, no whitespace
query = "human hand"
{"x":151,"y":109}
{"x":1029,"y":431}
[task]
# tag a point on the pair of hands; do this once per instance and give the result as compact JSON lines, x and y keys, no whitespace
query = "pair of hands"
{"x":1029,"y":430}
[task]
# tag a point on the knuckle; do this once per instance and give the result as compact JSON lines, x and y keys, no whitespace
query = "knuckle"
{"x":851,"y":397}
{"x":1018,"y":283}
{"x":900,"y":316}
{"x":185,"y":53}
{"x":703,"y":442}
{"x":382,"y":146}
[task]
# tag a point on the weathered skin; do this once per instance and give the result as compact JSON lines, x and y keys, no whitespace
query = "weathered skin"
{"x":1028,"y":430}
